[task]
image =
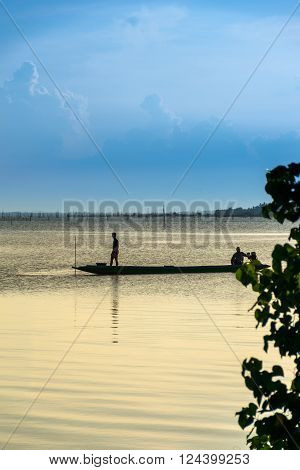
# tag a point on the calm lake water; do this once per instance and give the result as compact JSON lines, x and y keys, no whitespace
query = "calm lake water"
{"x":142,"y":362}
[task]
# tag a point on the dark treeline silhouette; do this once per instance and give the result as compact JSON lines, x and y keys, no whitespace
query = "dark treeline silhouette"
{"x":255,"y":211}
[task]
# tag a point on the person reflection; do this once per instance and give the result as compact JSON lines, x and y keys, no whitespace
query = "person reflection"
{"x":115,"y":309}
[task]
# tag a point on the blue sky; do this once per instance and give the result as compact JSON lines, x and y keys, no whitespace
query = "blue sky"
{"x":149,"y":80}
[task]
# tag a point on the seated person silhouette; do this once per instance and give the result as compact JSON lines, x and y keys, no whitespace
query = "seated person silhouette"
{"x":238,"y":257}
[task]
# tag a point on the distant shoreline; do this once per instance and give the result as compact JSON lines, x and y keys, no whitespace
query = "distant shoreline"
{"x":255,"y":211}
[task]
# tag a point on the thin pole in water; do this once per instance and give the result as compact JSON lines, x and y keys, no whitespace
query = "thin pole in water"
{"x":75,"y":257}
{"x":164,"y":216}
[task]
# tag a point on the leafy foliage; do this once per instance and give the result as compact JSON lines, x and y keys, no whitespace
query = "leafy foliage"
{"x":275,"y":417}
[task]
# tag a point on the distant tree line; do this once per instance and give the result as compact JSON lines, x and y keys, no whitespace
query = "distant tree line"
{"x":255,"y":211}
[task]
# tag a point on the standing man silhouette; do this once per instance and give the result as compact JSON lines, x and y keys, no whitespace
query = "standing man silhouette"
{"x":115,"y":250}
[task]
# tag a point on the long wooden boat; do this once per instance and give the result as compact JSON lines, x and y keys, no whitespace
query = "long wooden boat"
{"x":100,"y":269}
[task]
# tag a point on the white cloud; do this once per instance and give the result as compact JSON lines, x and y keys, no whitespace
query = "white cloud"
{"x":24,"y":83}
{"x":160,"y":115}
{"x":35,"y":122}
{"x":76,"y":106}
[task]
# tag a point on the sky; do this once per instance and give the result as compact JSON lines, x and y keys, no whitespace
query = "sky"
{"x":118,"y":100}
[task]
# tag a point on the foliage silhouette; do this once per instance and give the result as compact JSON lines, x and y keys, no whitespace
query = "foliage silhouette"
{"x":274,"y":418}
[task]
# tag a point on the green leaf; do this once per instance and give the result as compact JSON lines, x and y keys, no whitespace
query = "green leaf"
{"x":278,"y":371}
{"x":253,"y":364}
{"x":249,"y":383}
{"x":296,"y":384}
{"x":246,"y":415}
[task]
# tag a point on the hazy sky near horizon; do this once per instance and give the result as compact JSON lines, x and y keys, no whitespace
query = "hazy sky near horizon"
{"x":149,"y":80}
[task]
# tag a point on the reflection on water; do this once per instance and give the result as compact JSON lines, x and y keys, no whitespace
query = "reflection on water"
{"x":115,"y":309}
{"x":149,"y":368}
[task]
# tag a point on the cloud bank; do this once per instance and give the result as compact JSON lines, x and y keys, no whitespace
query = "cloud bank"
{"x":46,"y":154}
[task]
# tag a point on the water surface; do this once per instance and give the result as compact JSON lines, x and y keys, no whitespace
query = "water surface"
{"x":149,"y":362}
